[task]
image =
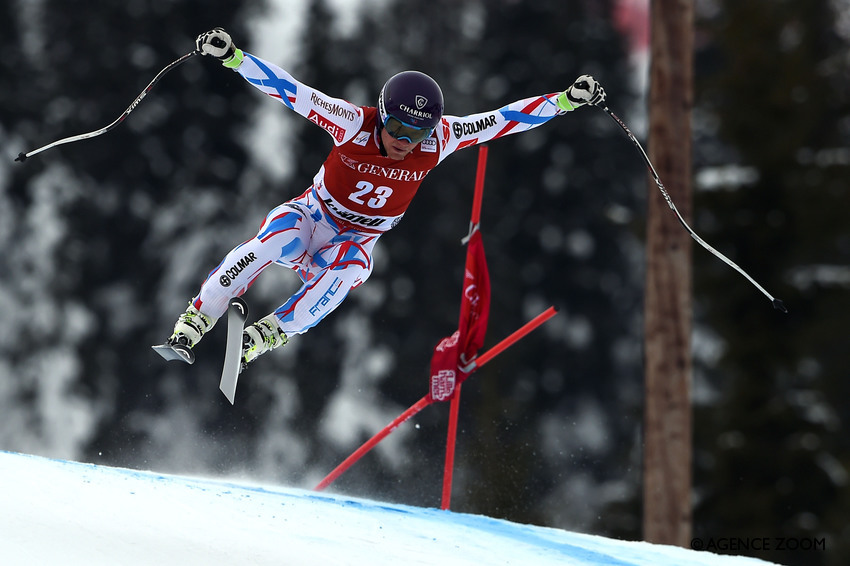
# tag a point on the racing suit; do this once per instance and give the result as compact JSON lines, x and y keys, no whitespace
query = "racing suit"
{"x":326,"y":235}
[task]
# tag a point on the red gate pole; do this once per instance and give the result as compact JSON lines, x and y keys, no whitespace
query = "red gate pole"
{"x":514,"y":337}
{"x":426,"y":400}
{"x":369,"y":444}
{"x":476,"y":364}
{"x":454,"y":411}
{"x":451,"y":439}
{"x":478,"y":197}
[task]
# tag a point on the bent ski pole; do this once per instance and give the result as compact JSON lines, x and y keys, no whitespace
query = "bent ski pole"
{"x":777,"y":304}
{"x":23,"y":156}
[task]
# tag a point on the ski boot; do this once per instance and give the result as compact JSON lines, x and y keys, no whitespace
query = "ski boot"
{"x":261,"y":337}
{"x":190,"y":328}
{"x":188,"y":331}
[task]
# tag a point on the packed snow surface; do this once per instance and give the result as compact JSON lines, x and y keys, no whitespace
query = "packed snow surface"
{"x":68,"y":513}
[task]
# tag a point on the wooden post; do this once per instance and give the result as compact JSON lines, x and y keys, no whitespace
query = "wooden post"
{"x":667,"y":511}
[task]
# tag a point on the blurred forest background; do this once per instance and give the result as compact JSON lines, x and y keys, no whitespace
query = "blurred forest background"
{"x":104,"y":242}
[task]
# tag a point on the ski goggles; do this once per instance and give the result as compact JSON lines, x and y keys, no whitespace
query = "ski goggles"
{"x":401,"y":131}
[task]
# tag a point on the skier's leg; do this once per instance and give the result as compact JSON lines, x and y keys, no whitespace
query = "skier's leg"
{"x":338,"y":267}
{"x":341,"y":264}
{"x":283,"y":238}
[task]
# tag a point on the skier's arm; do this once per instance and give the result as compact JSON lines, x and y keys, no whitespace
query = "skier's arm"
{"x":340,"y":118}
{"x":520,"y":116}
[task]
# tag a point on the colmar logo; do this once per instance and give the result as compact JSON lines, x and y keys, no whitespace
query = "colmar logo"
{"x":468,"y":128}
{"x":233,"y":272}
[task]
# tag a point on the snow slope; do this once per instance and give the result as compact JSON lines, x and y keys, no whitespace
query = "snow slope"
{"x":58,"y":512}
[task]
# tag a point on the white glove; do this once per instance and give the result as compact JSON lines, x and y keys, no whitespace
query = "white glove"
{"x":585,"y":90}
{"x":217,"y":43}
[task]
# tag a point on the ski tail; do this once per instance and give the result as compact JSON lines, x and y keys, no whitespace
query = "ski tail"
{"x":179,"y":352}
{"x":237,"y":314}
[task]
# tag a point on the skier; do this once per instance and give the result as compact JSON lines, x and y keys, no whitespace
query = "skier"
{"x":379,"y":158}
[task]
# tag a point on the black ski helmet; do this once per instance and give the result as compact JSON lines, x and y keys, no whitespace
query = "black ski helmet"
{"x":413,"y":98}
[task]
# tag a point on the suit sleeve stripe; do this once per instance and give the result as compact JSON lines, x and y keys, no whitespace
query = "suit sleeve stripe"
{"x":281,"y":86}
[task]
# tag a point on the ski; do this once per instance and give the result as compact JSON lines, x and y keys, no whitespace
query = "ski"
{"x":237,"y":313}
{"x":179,"y":352}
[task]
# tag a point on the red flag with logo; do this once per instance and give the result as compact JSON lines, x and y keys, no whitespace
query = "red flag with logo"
{"x":450,"y":364}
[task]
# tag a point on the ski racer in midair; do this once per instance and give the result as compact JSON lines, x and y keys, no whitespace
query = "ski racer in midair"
{"x":379,"y":158}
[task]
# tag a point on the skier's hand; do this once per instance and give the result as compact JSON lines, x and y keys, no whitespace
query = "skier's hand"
{"x":585,"y":90}
{"x":217,"y":43}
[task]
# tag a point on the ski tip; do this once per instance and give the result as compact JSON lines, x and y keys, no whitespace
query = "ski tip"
{"x":239,"y":303}
{"x":779,"y":305}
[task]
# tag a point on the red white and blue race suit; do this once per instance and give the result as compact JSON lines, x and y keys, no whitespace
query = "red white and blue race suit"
{"x":327,"y":234}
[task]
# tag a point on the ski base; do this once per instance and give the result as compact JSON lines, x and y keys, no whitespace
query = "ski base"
{"x":237,"y":314}
{"x":177,"y":352}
